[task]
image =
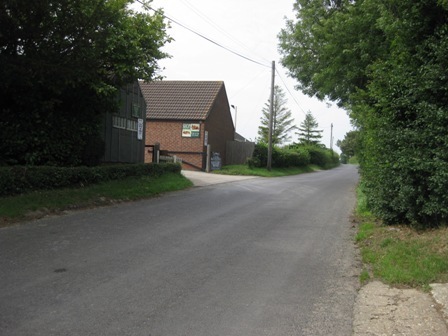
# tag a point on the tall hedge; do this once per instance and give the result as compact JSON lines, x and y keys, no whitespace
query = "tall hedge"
{"x":294,"y":156}
{"x":386,"y":61}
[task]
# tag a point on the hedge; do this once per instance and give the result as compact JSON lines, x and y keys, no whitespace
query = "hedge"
{"x":21,"y":179}
{"x":294,"y":156}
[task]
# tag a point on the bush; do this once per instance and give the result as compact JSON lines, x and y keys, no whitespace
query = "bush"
{"x":304,"y":157}
{"x":21,"y":179}
{"x":319,"y":156}
{"x":281,"y":157}
{"x":260,"y":155}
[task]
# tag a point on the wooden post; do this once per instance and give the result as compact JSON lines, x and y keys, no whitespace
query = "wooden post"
{"x":207,"y":162}
{"x":156,"y":153}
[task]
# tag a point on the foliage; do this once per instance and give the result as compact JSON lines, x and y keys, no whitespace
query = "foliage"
{"x":282,"y":120}
{"x":308,"y":132}
{"x":291,"y":158}
{"x":322,"y":157}
{"x":61,"y":62}
{"x":328,"y":48}
{"x":349,"y":145}
{"x":404,"y":157}
{"x":386,"y":62}
{"x":294,"y":156}
{"x":22,"y":179}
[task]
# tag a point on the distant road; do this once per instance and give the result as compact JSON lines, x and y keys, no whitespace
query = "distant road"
{"x":248,"y":258}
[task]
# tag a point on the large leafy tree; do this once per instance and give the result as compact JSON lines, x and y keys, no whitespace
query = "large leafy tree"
{"x":61,"y":62}
{"x":329,"y":46}
{"x":349,"y":145}
{"x":385,"y":61}
{"x":309,"y":134}
{"x":283,"y":123}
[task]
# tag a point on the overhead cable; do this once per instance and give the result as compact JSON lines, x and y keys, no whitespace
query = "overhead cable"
{"x":146,"y":6}
{"x":287,"y":88}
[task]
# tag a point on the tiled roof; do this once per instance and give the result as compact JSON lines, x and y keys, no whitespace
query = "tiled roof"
{"x":179,"y":100}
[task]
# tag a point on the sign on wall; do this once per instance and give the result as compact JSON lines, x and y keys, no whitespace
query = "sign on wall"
{"x":191,"y":130}
{"x":140,"y":129}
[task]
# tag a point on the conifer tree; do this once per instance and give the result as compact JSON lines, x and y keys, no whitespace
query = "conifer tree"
{"x":308,"y":132}
{"x":282,"y":120}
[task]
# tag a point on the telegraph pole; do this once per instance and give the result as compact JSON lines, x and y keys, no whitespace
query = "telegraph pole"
{"x":271,"y":118}
{"x":331,"y":139}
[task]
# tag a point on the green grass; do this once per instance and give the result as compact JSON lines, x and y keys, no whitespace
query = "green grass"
{"x":366,"y":229}
{"x":275,"y":172}
{"x":401,"y":255}
{"x":365,"y":276}
{"x":37,"y":204}
{"x":362,"y":208}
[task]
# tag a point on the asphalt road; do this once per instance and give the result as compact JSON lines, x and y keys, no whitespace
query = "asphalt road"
{"x":254,"y":257}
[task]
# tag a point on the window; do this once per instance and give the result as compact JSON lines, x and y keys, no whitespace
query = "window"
{"x":135,"y":111}
{"x":118,"y":122}
{"x":131,"y":125}
{"x":128,"y":124}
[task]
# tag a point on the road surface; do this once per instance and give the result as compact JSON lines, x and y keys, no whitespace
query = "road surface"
{"x":254,"y":257}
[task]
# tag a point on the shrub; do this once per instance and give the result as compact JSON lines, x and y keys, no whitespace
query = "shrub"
{"x":304,"y":157}
{"x":260,"y":155}
{"x":323,"y":157}
{"x":281,"y":157}
{"x":20,"y":179}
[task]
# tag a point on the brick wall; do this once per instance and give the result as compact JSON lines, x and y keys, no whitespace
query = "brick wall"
{"x":169,"y":135}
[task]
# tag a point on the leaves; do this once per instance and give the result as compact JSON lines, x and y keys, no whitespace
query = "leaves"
{"x":308,"y":132}
{"x":61,"y":63}
{"x":386,"y":62}
{"x":282,"y":120}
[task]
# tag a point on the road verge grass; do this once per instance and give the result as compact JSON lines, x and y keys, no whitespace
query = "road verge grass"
{"x":400,"y":255}
{"x":40,"y":203}
{"x":263,"y":172}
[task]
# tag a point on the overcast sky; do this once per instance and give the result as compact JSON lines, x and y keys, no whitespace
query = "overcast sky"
{"x":249,"y":28}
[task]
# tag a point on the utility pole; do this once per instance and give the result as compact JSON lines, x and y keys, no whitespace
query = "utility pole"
{"x":331,"y":139}
{"x":271,"y":118}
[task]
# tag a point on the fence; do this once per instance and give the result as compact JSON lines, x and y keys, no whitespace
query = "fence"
{"x":167,"y":158}
{"x":238,"y":152}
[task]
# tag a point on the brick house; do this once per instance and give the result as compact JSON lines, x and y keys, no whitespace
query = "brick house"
{"x":185,"y":116}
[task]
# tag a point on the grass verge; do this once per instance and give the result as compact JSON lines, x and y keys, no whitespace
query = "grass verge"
{"x":275,"y":172}
{"x":37,"y":204}
{"x":401,"y":255}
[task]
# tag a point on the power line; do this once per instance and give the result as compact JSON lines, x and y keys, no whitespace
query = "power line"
{"x":287,"y":88}
{"x":248,"y":83}
{"x":146,"y":6}
{"x":217,"y":27}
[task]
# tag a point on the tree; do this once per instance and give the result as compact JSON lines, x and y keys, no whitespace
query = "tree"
{"x":282,"y":121}
{"x":330,"y":45}
{"x":349,"y":145}
{"x":61,"y":63}
{"x":384,"y":61}
{"x":308,"y":132}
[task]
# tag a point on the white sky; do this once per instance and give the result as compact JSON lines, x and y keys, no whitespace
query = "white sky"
{"x":250,"y":28}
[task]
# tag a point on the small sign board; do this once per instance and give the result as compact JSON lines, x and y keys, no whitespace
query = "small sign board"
{"x":191,"y":130}
{"x":140,"y":129}
{"x":215,"y":161}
